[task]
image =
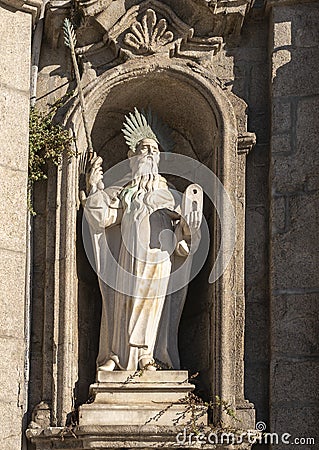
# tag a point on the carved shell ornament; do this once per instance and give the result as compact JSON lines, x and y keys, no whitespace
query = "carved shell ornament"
{"x":148,"y":35}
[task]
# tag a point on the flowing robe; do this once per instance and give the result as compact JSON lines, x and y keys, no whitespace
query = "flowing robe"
{"x":137,"y":245}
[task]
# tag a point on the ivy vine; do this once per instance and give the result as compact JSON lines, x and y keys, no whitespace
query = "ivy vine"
{"x":48,"y":141}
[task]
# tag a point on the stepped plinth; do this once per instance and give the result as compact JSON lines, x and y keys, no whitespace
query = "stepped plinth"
{"x":133,"y":398}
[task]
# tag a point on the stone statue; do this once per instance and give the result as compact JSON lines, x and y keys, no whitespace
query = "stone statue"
{"x":149,"y":228}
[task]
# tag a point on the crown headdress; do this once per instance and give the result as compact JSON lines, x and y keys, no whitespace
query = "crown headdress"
{"x":145,"y":125}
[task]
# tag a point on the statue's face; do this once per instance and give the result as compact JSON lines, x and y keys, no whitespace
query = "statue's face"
{"x":146,"y":157}
{"x":147,"y":147}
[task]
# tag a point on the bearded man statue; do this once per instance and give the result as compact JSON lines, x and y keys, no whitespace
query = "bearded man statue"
{"x":140,"y":237}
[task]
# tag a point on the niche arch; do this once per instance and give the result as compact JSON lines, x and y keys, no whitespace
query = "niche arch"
{"x":205,"y":127}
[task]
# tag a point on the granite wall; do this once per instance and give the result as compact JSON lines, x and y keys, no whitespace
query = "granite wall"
{"x":294,"y":200}
{"x":15,"y":55}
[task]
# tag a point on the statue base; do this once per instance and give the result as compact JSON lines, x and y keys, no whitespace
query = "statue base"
{"x":150,"y":398}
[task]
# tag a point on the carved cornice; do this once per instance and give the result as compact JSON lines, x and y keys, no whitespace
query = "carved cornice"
{"x":152,"y":27}
{"x":226,"y":16}
{"x":32,"y":7}
{"x":198,"y":36}
{"x":147,"y":28}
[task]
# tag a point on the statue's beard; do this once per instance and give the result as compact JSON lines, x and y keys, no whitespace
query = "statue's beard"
{"x":145,"y":173}
{"x":146,"y":179}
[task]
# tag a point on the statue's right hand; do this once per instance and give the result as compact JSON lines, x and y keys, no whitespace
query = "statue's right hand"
{"x":94,"y":174}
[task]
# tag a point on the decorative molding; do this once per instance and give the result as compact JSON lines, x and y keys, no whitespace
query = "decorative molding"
{"x":153,"y":27}
{"x":129,"y":22}
{"x":32,"y":7}
{"x":196,"y":47}
{"x":137,"y":31}
{"x":226,"y":16}
{"x":245,"y":143}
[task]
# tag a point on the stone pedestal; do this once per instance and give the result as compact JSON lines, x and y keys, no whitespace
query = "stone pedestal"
{"x":149,"y":397}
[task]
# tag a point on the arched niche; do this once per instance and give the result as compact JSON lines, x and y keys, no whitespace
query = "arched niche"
{"x":204,"y":127}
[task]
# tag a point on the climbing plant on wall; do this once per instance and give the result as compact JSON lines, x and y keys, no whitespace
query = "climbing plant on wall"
{"x":48,"y":141}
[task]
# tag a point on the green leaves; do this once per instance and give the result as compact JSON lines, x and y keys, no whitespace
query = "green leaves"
{"x":47,"y":142}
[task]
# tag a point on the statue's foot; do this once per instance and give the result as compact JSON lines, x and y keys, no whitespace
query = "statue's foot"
{"x":147,"y":363}
{"x":109,"y":366}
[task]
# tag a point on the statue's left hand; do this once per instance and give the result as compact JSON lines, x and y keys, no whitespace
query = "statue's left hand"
{"x":192,"y":209}
{"x":192,"y":222}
